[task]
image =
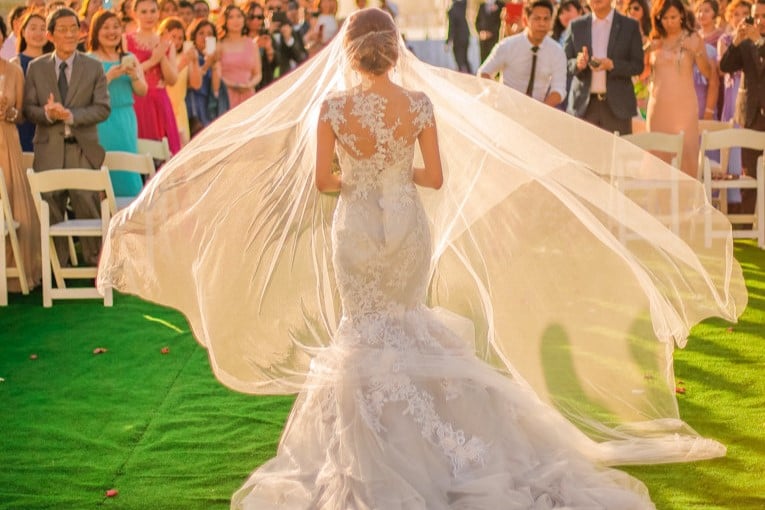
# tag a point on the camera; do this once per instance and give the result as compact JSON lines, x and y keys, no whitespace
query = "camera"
{"x":280,"y":17}
{"x":594,"y":63}
{"x":264,"y":31}
{"x":749,"y":20}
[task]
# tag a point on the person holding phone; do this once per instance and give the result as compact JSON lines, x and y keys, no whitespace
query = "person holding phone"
{"x":119,"y":132}
{"x":747,"y":53}
{"x":156,"y":119}
{"x":206,"y":97}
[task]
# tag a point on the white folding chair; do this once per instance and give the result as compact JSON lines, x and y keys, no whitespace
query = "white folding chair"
{"x":27,"y":160}
{"x":724,"y":140}
{"x":81,"y":179}
{"x":666,"y":143}
{"x":9,"y":226}
{"x":157,"y":149}
{"x":139,"y":163}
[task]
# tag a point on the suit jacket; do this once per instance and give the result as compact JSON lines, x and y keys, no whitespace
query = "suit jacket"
{"x":490,"y":21}
{"x":87,"y":98}
{"x":752,"y":92}
{"x":459,"y":31}
{"x":625,"y":49}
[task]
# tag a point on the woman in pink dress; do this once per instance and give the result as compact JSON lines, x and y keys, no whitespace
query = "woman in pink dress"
{"x":239,"y":57}
{"x":154,"y":111}
{"x":674,"y":48}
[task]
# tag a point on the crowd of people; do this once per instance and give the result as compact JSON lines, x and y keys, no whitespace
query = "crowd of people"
{"x":168,"y":68}
{"x":164,"y":69}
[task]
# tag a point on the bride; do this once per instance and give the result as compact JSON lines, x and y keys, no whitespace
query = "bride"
{"x":576,"y":280}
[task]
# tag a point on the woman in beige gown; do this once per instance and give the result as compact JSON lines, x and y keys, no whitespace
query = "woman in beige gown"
{"x":672,"y":52}
{"x":22,"y":206}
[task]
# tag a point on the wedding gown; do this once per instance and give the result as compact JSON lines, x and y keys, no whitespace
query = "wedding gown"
{"x":578,"y":259}
{"x":398,"y":413}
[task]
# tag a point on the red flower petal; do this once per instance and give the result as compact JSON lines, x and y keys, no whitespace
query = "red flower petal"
{"x":111,"y":493}
{"x":100,"y":350}
{"x":165,"y":350}
{"x":680,"y":390}
{"x":729,"y":330}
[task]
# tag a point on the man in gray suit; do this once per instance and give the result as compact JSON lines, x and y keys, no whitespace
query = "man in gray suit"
{"x":604,"y":50}
{"x":66,"y":96}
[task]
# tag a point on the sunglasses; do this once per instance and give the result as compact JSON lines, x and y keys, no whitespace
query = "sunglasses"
{"x":256,"y":16}
{"x":635,"y":7}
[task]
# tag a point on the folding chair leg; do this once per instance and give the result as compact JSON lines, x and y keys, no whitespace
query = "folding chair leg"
{"x":3,"y":269}
{"x":72,"y":252}
{"x":45,"y":253}
{"x":20,"y":271}
{"x":53,"y":254}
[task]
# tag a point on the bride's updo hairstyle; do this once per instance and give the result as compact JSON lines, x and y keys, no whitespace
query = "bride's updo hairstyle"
{"x":371,"y":41}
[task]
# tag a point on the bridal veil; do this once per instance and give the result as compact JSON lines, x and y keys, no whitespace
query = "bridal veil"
{"x":580,"y":260}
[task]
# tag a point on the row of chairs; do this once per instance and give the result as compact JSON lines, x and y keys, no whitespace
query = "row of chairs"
{"x":84,"y":179}
{"x":722,"y":137}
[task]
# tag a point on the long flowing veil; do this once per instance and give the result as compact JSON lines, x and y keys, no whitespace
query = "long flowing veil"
{"x":581,"y":260}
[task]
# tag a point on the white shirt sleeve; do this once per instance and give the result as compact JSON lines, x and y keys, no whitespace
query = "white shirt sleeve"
{"x":494,"y":63}
{"x":558,"y":82}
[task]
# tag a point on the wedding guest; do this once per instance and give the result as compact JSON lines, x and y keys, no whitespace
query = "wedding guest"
{"x":458,"y":36}
{"x":568,"y":10}
{"x":201,"y":9}
{"x":675,"y":48}
{"x":531,"y":62}
{"x":119,"y":132}
{"x":186,"y":59}
{"x":736,"y":12}
{"x":15,"y":176}
{"x":167,"y":8}
{"x":239,"y":57}
{"x":8,"y":48}
{"x":604,"y":51}
{"x":32,"y":43}
{"x":207,"y":90}
{"x":640,"y":12}
{"x":154,"y":112}
{"x":708,"y":89}
{"x":186,"y":12}
{"x":746,"y":53}
{"x":487,"y":23}
{"x":66,"y":117}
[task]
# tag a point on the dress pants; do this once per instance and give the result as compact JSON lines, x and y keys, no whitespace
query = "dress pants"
{"x":749,"y":162}
{"x":85,"y":204}
{"x":599,"y":113}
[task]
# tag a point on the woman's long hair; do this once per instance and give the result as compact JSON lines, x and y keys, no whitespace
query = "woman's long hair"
{"x":21,"y":44}
{"x":558,"y":27}
{"x":223,"y":30}
{"x":645,"y":19}
{"x":660,"y":8}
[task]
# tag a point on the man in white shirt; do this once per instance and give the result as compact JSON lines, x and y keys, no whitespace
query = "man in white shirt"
{"x":531,"y":62}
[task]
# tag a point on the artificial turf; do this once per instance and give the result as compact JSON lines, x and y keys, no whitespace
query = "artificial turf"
{"x":159,"y":429}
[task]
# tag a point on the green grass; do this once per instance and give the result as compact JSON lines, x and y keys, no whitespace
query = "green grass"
{"x":163,"y":432}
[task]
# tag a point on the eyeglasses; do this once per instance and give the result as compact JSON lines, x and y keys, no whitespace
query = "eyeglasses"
{"x":256,"y":16}
{"x":65,"y":30}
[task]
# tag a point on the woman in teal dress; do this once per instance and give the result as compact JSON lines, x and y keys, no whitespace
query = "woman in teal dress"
{"x":119,"y":132}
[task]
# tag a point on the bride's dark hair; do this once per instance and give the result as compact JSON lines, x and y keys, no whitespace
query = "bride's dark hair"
{"x":371,"y":41}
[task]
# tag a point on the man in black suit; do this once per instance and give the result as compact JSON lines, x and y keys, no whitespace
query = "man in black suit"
{"x":487,"y":23}
{"x":459,"y":34}
{"x":604,"y":50}
{"x":747,"y":53}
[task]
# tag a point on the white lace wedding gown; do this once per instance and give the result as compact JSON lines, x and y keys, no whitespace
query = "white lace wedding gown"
{"x":398,"y":413}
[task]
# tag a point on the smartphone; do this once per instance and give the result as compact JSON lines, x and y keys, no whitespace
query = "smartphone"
{"x":210,"y":45}
{"x":749,"y":20}
{"x":128,"y":61}
{"x":594,"y":63}
{"x":187,"y":45}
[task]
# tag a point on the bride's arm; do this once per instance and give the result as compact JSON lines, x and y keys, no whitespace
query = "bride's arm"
{"x":326,"y":181}
{"x":431,"y":176}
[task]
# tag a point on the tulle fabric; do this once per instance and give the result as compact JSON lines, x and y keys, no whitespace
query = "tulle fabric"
{"x":580,"y":260}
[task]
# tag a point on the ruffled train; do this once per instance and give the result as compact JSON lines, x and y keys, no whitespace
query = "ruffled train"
{"x":399,"y":414}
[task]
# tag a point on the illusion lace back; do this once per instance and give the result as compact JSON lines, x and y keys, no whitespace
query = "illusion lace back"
{"x":398,"y":413}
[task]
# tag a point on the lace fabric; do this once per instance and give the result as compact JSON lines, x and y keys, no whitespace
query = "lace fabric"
{"x":579,"y":260}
